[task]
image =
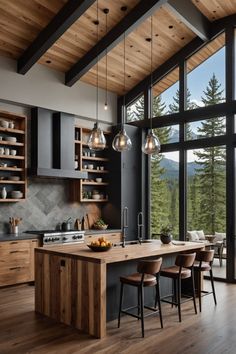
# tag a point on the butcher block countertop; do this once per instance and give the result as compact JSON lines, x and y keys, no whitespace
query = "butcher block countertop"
{"x":118,"y":253}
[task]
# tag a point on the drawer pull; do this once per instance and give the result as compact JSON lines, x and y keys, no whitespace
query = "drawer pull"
{"x":14,"y":242}
{"x":15,"y":268}
{"x":14,"y":251}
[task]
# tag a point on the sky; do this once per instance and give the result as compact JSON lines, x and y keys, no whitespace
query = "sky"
{"x":197,"y":82}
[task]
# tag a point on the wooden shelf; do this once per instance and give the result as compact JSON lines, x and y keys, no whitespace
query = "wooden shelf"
{"x":95,"y":171}
{"x":95,"y":183}
{"x":19,"y":130}
{"x":77,"y":142}
{"x":14,"y":169}
{"x":12,"y":157}
{"x":9,"y":130}
{"x":7,"y":181}
{"x":10,"y":143}
{"x":95,"y":200}
{"x":85,"y":144}
{"x":11,"y":200}
{"x":94,"y":158}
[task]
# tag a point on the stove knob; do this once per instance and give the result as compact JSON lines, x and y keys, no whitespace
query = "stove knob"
{"x":49,"y":239}
{"x":79,"y":236}
{"x":53,"y":239}
{"x":65,"y":238}
{"x":46,"y":240}
{"x":74,"y":237}
{"x":58,"y":238}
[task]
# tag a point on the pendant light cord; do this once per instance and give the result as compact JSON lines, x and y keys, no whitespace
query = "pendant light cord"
{"x":106,"y":60}
{"x":124,"y":109}
{"x":97,"y":66}
{"x":151,"y":67}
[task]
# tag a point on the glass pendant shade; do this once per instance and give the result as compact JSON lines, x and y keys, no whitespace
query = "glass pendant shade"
{"x":151,"y":145}
{"x":96,"y":141}
{"x":106,"y":106}
{"x":121,"y":141}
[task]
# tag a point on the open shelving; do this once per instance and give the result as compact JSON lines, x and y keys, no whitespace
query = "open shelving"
{"x":83,"y":189}
{"x":13,"y":165}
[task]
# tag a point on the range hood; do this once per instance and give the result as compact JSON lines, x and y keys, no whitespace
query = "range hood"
{"x":52,"y":145}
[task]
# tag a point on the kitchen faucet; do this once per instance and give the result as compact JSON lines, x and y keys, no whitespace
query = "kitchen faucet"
{"x":140,"y":227}
{"x":125,"y":225}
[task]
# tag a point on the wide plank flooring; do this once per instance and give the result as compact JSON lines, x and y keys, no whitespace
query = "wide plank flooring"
{"x":211,"y":332}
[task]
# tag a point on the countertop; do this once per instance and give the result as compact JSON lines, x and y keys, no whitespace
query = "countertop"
{"x":107,"y":231}
{"x":20,"y":236}
{"x":119,"y":254}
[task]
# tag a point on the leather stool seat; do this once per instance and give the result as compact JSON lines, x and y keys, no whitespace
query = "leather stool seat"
{"x":136,"y":278}
{"x":204,"y":266}
{"x":173,"y":272}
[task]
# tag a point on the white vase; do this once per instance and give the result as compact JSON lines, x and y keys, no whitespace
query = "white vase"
{"x":4,"y":193}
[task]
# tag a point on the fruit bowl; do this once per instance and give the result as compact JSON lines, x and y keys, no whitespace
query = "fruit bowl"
{"x":100,"y":227}
{"x":99,"y":248}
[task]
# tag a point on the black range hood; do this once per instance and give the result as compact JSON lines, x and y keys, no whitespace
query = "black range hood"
{"x":52,"y":145}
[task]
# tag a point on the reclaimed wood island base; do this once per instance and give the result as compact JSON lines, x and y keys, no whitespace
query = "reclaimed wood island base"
{"x":71,"y":280}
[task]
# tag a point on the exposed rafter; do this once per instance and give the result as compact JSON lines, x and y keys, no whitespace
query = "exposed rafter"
{"x":50,"y":34}
{"x":137,"y":15}
{"x":191,"y":17}
{"x":216,"y":28}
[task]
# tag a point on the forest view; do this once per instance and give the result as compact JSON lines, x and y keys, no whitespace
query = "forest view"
{"x":206,"y":177}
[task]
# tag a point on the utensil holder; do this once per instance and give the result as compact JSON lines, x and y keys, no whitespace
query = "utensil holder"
{"x":14,"y":229}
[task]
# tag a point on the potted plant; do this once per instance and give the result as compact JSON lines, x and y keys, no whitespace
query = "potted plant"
{"x":166,"y":235}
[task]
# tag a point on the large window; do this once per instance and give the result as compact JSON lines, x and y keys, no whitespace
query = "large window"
{"x":206,"y":75}
{"x":135,"y":111}
{"x":166,"y":95}
{"x":206,"y":128}
{"x":165,"y":193}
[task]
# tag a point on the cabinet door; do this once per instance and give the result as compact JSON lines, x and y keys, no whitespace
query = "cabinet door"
{"x":131,"y":180}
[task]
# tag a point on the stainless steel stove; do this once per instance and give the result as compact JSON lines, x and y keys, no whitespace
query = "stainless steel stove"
{"x":54,"y":237}
{"x":61,"y":237}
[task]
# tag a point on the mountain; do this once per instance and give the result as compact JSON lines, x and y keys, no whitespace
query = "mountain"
{"x":174,"y":136}
{"x":172,"y":168}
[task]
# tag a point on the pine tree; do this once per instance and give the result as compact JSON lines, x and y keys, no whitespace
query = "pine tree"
{"x":136,"y":111}
{"x":211,"y":170}
{"x":174,"y":108}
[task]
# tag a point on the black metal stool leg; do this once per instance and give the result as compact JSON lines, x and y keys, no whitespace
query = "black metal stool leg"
{"x":142,"y":307}
{"x":213,"y":287}
{"x":121,"y":299}
{"x":158,"y":298}
{"x":193,"y":289}
{"x":179,"y":298}
{"x":200,"y":290}
{"x":138,"y":302}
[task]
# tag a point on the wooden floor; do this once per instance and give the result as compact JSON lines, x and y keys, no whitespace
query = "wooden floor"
{"x":211,"y":332}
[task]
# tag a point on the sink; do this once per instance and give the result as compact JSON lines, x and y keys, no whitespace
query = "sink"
{"x":133,"y":242}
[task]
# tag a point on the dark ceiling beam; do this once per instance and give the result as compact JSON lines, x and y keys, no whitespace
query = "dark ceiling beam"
{"x":216,"y":28}
{"x":134,"y":18}
{"x":191,"y":17}
{"x":70,"y":13}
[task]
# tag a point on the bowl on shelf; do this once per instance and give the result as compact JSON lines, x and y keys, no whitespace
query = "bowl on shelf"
{"x":14,"y":178}
{"x":4,"y":123}
{"x":16,"y":194}
{"x":96,"y":196}
{"x":100,"y":227}
{"x":11,"y":139}
{"x":90,"y":167}
{"x":99,"y":180}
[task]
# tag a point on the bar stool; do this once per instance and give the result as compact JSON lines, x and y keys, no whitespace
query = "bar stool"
{"x":203,"y":263}
{"x":182,"y":269}
{"x":148,"y":275}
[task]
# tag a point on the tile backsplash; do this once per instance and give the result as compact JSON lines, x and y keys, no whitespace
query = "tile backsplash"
{"x":47,"y":205}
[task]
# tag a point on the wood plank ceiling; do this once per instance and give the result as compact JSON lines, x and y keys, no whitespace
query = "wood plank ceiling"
{"x":22,"y":20}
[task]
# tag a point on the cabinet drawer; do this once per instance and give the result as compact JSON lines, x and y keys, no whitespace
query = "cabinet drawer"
{"x":15,"y":275}
{"x":13,"y":256}
{"x":15,"y":245}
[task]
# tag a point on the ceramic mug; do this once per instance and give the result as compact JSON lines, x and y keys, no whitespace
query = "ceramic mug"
{"x":11,"y":125}
{"x":13,"y":152}
{"x":7,"y":151}
{"x":1,"y":151}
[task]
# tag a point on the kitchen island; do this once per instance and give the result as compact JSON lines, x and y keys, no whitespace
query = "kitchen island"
{"x":71,"y":281}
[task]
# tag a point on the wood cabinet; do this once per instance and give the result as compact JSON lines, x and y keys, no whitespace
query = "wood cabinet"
{"x":96,"y":164}
{"x":13,"y":156}
{"x":17,"y":261}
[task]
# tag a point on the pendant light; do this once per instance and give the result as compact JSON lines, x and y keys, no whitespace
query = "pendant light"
{"x":151,"y":144}
{"x":121,"y":141}
{"x":97,"y":141}
{"x":106,"y":12}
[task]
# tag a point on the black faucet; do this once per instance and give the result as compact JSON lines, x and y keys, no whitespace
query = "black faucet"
{"x":140,"y":227}
{"x":125,"y":225}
